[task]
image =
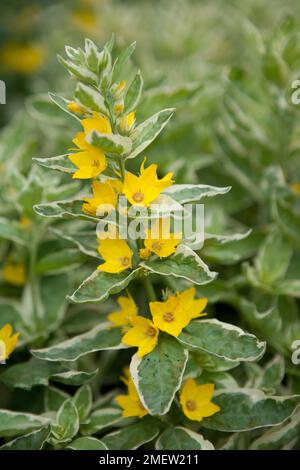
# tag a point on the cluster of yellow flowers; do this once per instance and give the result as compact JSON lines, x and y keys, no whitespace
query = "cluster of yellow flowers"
{"x":139,"y":190}
{"x":170,"y":316}
{"x":174,"y":313}
{"x":195,"y":400}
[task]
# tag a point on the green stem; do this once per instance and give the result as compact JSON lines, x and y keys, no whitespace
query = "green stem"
{"x":149,"y":288}
{"x":33,"y":278}
{"x":122,"y":168}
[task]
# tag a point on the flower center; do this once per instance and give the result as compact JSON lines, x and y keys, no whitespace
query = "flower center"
{"x":191,"y":405}
{"x":156,"y":246}
{"x":151,"y":332}
{"x":168,"y":317}
{"x":96,"y":163}
{"x":138,"y":196}
{"x":124,"y":261}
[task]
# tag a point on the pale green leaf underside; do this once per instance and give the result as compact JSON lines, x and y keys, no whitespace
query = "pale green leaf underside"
{"x":100,"y":338}
{"x":185,"y":263}
{"x":99,"y":286}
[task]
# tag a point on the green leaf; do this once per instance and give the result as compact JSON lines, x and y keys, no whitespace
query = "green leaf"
{"x":54,"y":398}
{"x":232,"y":250}
{"x":246,"y":409}
{"x":80,"y":71}
{"x":89,"y":97}
{"x":30,"y":374}
{"x":62,"y":103}
{"x":100,"y":338}
{"x":287,"y":220}
{"x":83,"y":400}
{"x":85,"y":240}
{"x":273,"y":258}
{"x":211,"y":363}
{"x":60,"y":163}
{"x":12,"y":231}
{"x":158,"y":375}
{"x":64,"y":210}
{"x":222,"y":340}
{"x":290,"y":287}
{"x":74,"y":377}
{"x":99,"y":286}
{"x":133,"y":436}
{"x":111,"y":143}
{"x":146,"y":132}
{"x":66,"y":425}
{"x":180,"y":438}
{"x":59,"y":261}
{"x":279,"y":436}
{"x":185,"y":193}
{"x":122,"y":60}
{"x":133,"y":94}
{"x":185,"y":263}
{"x":87,"y":443}
{"x":14,"y":423}
{"x":101,"y":419}
{"x":32,"y":441}
{"x":45,"y":111}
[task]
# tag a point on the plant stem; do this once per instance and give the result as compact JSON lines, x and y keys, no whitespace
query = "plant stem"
{"x":149,"y":288}
{"x":122,"y":167}
{"x":33,"y":278}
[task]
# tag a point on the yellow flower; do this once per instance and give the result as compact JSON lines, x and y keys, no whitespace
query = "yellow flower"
{"x":193,"y":306}
{"x":143,"y":335}
{"x":85,"y":19}
{"x":14,"y":273}
{"x":119,"y":89}
{"x":131,"y":403}
{"x":170,"y":316}
{"x":23,"y":59}
{"x":295,"y":187}
{"x":75,"y":108}
{"x":117,"y":255}
{"x":25,"y":222}
{"x":8,"y":341}
{"x":160,"y":241}
{"x":124,"y":316}
{"x":177,"y":311}
{"x":196,"y":400}
{"x":103,"y":193}
{"x":142,"y":190}
{"x":127,"y":122}
{"x":90,"y":160}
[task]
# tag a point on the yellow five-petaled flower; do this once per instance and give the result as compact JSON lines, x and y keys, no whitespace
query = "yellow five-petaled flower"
{"x":131,"y":403}
{"x":170,"y":316}
{"x":160,"y":241}
{"x":8,"y":341}
{"x":144,"y":189}
{"x":90,"y":160}
{"x":105,"y":197}
{"x":117,"y":255}
{"x":177,"y":311}
{"x":143,"y":334}
{"x":124,"y":316}
{"x":196,"y":400}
